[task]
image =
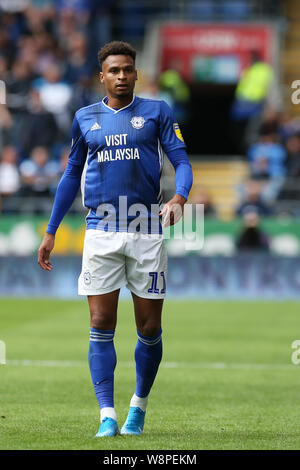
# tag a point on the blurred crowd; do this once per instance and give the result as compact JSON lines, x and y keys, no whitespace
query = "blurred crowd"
{"x":272,"y":188}
{"x":48,"y":61}
{"x":273,"y":158}
{"x":274,"y":163}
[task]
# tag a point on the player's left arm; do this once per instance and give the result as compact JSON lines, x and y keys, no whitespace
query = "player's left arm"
{"x":175,"y":148}
{"x":173,"y":209}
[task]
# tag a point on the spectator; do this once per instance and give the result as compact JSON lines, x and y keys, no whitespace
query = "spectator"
{"x":290,"y":190}
{"x":9,"y":174}
{"x":270,"y":119}
{"x":37,"y":18}
{"x":63,"y":159}
{"x":63,"y":156}
{"x":250,"y":97}
{"x":18,"y":84}
{"x":47,"y":52}
{"x":39,"y":128}
{"x":101,"y":22}
{"x":6,"y":125}
{"x":78,"y":9}
{"x":55,"y":97}
{"x":293,"y":156}
{"x":28,"y":52}
{"x":202,"y":196}
{"x":253,"y":87}
{"x":252,"y":238}
{"x":7,"y":47}
{"x":253,"y":201}
{"x":152,"y":91}
{"x":267,"y":163}
{"x":85,"y":92}
{"x":78,"y":65}
{"x":65,"y":26}
{"x":3,"y":68}
{"x":288,"y":126}
{"x":172,"y":83}
{"x":38,"y":173}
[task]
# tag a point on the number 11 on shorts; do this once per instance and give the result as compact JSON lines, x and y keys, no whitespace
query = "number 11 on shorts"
{"x":154,"y":289}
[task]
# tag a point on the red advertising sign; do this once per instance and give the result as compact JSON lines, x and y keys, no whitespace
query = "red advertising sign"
{"x":217,"y":51}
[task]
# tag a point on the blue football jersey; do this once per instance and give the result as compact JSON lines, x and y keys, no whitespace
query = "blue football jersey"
{"x":123,"y":151}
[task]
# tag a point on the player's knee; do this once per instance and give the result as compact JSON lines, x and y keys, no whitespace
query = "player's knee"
{"x":102,"y":321}
{"x":149,"y":329}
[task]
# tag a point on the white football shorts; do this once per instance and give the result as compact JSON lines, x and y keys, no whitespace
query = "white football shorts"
{"x":112,"y":260}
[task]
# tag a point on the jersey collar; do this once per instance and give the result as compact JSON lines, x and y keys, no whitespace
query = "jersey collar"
{"x":115,"y":111}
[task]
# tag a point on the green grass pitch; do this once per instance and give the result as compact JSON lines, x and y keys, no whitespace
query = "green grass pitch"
{"x":226,"y":380}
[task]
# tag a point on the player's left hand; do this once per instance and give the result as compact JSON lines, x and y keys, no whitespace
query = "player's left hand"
{"x":173,"y":210}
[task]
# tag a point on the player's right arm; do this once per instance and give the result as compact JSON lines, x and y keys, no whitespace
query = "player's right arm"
{"x":65,"y":194}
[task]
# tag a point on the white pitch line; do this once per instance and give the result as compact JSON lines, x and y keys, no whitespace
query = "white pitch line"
{"x":165,"y":365}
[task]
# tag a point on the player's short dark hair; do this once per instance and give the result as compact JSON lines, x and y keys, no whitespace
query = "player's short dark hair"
{"x":116,"y":48}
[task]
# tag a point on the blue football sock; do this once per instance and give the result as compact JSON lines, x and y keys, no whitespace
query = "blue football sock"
{"x":148,"y":354}
{"x":102,"y":362}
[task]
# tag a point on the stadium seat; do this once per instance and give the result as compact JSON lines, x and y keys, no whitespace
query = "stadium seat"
{"x":201,"y":10}
{"x":234,"y":10}
{"x":221,"y":180}
{"x":132,"y":20}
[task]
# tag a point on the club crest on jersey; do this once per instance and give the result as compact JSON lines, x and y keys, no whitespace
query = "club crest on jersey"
{"x":178,"y":131}
{"x":137,"y":122}
{"x":87,"y":278}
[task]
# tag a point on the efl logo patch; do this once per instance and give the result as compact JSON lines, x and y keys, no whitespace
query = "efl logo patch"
{"x":137,"y":122}
{"x":178,"y":131}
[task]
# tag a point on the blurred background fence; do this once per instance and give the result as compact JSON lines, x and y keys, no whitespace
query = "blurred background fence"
{"x":228,"y":70}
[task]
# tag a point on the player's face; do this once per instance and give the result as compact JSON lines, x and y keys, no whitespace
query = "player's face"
{"x":118,"y":75}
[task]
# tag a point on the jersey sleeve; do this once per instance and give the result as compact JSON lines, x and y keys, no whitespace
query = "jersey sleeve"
{"x":169,"y":132}
{"x":65,"y":194}
{"x":70,"y":181}
{"x":183,"y":172}
{"x":79,"y":146}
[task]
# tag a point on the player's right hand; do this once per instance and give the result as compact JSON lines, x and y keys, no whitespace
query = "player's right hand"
{"x":45,"y":249}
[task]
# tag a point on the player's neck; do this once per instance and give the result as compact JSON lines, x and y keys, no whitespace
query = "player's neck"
{"x":119,"y":102}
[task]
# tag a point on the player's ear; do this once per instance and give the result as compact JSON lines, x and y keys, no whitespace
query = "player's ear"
{"x":101,"y":77}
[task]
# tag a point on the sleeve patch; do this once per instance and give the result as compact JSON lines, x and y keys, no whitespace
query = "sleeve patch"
{"x":178,"y":131}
